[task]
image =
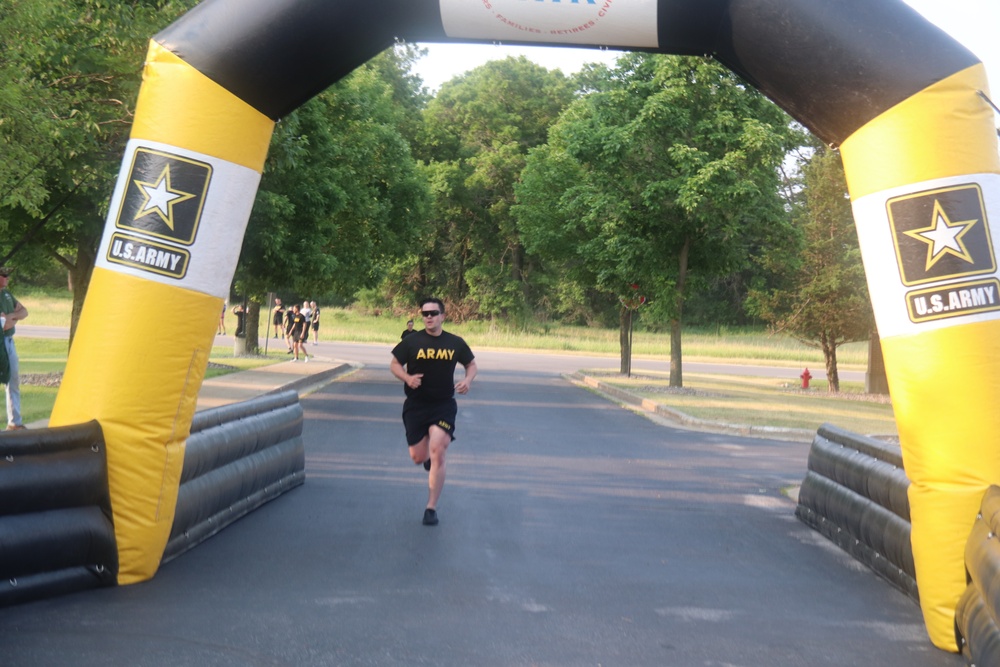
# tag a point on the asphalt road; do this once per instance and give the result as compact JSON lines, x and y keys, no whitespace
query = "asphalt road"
{"x":572,"y":533}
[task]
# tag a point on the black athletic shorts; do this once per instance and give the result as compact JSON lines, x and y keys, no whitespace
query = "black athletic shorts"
{"x":418,"y":417}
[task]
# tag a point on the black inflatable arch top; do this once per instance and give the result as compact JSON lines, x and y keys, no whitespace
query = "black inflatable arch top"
{"x":833,"y":66}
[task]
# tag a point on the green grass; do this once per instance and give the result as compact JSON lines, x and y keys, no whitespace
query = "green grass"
{"x":757,"y":401}
{"x":41,"y":355}
{"x":744,"y":346}
{"x":749,"y":346}
{"x":46,"y":356}
{"x":737,"y":400}
{"x":46,"y":308}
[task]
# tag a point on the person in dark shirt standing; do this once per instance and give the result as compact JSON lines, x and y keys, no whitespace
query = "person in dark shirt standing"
{"x":11,"y":311}
{"x":425,"y":362}
{"x":298,"y":332}
{"x":288,"y":327}
{"x":278,"y":317}
{"x":408,"y":330}
{"x":306,"y":312}
{"x":315,"y":321}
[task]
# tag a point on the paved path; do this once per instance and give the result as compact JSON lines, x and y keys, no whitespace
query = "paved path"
{"x":572,"y":533}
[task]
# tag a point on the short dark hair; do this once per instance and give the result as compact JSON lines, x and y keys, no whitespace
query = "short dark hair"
{"x":434,"y":300}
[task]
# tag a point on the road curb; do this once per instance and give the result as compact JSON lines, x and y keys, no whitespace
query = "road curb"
{"x":684,"y":420}
{"x":310,"y":383}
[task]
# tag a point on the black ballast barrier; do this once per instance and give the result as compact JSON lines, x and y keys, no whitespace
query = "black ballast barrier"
{"x":854,"y":493}
{"x":976,"y":614}
{"x":237,"y":458}
{"x":56,"y":531}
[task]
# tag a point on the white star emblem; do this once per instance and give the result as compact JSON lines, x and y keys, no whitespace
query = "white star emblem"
{"x":160,"y":198}
{"x":944,"y":237}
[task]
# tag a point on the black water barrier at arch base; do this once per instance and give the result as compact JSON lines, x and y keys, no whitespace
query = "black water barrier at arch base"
{"x":56,"y":530}
{"x":854,"y":493}
{"x":237,"y":458}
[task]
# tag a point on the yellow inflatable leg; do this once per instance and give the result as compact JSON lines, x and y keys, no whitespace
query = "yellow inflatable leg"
{"x":926,"y":194}
{"x":164,"y":267}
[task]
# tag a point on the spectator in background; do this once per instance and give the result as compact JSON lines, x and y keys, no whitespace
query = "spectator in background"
{"x":306,"y":313}
{"x":12,"y":312}
{"x":408,"y":330}
{"x":315,"y":321}
{"x":278,"y":317}
{"x":241,"y":320}
{"x":288,"y":327}
{"x":298,"y":333}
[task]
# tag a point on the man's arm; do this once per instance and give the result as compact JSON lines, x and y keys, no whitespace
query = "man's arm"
{"x":13,"y":317}
{"x":411,"y":381}
{"x":465,"y":383}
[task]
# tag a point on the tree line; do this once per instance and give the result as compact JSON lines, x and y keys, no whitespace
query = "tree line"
{"x":662,"y":186}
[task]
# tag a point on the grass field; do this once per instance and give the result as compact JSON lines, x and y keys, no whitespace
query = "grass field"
{"x":737,"y":400}
{"x":760,"y":401}
{"x":742,"y":345}
{"x":45,"y":357}
{"x":745,"y":346}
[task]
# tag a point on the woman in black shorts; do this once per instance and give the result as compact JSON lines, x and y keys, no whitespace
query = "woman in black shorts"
{"x":315,"y":321}
{"x":278,"y":317}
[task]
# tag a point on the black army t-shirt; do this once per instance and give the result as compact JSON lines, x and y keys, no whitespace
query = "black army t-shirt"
{"x":435,"y":357}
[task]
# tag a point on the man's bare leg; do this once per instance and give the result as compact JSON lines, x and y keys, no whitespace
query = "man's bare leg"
{"x":420,"y":452}
{"x":438,"y":441}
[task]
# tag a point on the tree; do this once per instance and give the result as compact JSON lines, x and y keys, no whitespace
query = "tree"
{"x":668,"y":169}
{"x":477,"y":133}
{"x":824,"y":300}
{"x":340,"y":197}
{"x":69,"y":77}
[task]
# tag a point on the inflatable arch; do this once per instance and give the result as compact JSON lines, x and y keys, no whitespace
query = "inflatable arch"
{"x":903,"y":100}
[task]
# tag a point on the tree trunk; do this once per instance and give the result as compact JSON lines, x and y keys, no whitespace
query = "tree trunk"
{"x":624,"y":344}
{"x":517,"y":271}
{"x":676,"y":374}
{"x":79,"y":275}
{"x":875,"y":379}
{"x":253,"y":328}
{"x":517,"y":263}
{"x":830,"y":356}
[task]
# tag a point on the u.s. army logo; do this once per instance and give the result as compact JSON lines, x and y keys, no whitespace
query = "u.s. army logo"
{"x":941,"y":235}
{"x":139,"y":253}
{"x":164,"y":196}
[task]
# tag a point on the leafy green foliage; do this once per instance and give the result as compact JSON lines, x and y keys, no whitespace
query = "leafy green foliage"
{"x":824,"y":299}
{"x":476,"y":136}
{"x":340,"y":197}
{"x":667,"y":170}
{"x":69,"y":78}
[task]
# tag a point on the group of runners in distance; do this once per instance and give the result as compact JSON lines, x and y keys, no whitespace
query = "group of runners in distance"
{"x":293,"y":325}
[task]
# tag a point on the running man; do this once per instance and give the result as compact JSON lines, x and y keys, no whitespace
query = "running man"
{"x":425,"y":362}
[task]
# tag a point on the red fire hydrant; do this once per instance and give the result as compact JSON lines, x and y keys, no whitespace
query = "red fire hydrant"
{"x":805,"y":378}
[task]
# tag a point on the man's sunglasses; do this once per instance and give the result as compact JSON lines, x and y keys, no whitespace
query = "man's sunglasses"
{"x":430,"y":313}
